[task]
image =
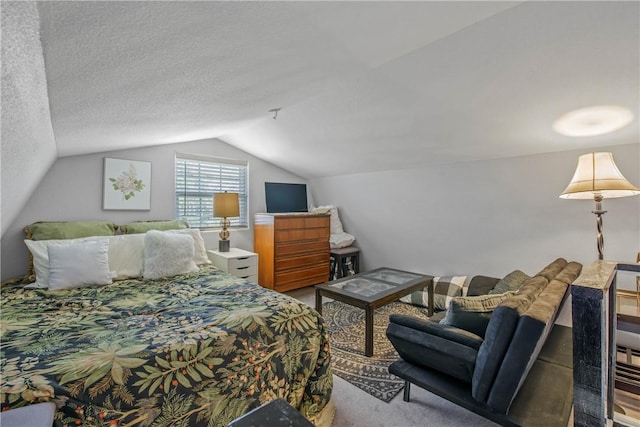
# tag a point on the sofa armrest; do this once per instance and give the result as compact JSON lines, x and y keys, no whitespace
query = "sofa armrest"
{"x":447,"y":349}
{"x":450,"y":333}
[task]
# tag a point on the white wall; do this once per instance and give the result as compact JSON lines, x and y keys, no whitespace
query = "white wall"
{"x":72,"y":191}
{"x":28,"y":144}
{"x":486,"y":217}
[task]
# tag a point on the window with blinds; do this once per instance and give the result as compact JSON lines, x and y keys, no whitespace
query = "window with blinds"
{"x":198,"y":177}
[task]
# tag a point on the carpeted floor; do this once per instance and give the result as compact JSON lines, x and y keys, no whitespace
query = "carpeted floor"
{"x":347,"y":327}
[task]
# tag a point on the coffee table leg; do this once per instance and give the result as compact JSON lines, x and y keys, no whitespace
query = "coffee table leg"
{"x":318,"y":301}
{"x":368,"y":338}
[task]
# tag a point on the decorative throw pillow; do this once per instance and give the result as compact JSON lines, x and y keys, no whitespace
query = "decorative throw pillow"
{"x":340,"y":240}
{"x":61,"y":230}
{"x":444,"y":289}
{"x":77,"y":265}
{"x":39,"y":250}
{"x":473,"y":313}
{"x":335,"y":225}
{"x":167,"y":254}
{"x":58,"y":230}
{"x":200,"y":250}
{"x":137,"y":227}
{"x":126,"y":255}
{"x":510,"y":282}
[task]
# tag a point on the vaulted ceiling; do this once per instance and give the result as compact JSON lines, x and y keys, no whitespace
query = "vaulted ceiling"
{"x":362,"y":86}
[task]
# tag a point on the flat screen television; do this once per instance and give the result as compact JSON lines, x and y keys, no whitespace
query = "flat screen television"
{"x":284,"y":197}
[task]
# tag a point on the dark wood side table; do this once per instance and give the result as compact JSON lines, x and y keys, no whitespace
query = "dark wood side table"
{"x":374,"y":289}
{"x":276,"y":413}
{"x":340,"y":256}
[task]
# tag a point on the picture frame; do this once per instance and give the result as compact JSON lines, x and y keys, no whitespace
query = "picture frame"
{"x":127,"y":185}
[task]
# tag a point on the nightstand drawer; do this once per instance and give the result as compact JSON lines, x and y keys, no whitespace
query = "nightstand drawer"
{"x":243,"y":262}
{"x":247,"y":270}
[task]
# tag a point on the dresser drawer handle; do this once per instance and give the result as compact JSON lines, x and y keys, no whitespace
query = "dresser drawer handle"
{"x":243,"y":257}
{"x":242,"y":268}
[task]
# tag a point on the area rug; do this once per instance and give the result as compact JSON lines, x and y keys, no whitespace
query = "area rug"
{"x":347,"y":328}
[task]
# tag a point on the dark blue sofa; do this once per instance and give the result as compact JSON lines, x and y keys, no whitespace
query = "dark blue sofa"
{"x":519,"y":373}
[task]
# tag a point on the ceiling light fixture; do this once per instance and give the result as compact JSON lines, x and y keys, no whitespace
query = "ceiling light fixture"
{"x":275,"y":112}
{"x":592,"y":121}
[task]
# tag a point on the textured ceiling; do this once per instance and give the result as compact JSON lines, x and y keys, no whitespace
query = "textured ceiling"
{"x":363,"y":86}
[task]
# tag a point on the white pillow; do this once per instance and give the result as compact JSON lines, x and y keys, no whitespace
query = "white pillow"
{"x":77,"y":265}
{"x":126,"y":255}
{"x":335,"y":224}
{"x":200,"y":250}
{"x":340,"y":240}
{"x":39,"y":252}
{"x":167,"y":254}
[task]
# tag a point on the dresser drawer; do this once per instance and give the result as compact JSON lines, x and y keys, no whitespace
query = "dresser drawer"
{"x":289,"y":223}
{"x":302,"y":234}
{"x":307,"y":276}
{"x":293,"y":249}
{"x":316,"y":222}
{"x":287,"y":263}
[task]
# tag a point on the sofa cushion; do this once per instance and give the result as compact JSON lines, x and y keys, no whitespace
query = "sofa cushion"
{"x":510,"y":282}
{"x":473,"y":313}
{"x":444,"y":289}
{"x":527,"y":342}
{"x":498,"y":335}
{"x":481,"y":285}
{"x":553,"y":269}
{"x":436,"y":350}
{"x":536,"y":318}
{"x":460,"y":336}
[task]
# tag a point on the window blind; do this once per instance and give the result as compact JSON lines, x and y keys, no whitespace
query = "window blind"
{"x":198,"y":177}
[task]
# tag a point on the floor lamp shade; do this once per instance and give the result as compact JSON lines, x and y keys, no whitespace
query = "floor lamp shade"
{"x":597,"y":177}
{"x":597,"y":173}
{"x":225,"y":205}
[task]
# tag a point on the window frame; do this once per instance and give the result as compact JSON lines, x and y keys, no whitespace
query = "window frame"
{"x":239,"y":223}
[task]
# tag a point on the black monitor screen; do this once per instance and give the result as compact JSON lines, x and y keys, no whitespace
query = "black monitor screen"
{"x":282,"y":197}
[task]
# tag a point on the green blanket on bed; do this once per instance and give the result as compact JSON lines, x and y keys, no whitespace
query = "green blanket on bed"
{"x":196,"y":349}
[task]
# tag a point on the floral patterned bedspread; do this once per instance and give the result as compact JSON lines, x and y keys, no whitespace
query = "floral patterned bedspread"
{"x":198,"y":349}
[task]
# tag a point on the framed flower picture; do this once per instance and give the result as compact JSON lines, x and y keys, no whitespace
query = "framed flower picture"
{"x":127,"y":185}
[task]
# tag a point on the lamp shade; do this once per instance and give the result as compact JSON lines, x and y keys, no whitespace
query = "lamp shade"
{"x":598,"y":174}
{"x":225,"y":205}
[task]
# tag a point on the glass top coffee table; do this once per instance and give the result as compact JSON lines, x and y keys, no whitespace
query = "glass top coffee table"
{"x":374,"y":289}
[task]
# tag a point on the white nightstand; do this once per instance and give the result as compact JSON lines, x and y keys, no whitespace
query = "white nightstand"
{"x":237,"y":262}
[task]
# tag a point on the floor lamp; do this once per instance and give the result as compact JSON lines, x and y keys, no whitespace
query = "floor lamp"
{"x":597,"y":177}
{"x":225,"y":205}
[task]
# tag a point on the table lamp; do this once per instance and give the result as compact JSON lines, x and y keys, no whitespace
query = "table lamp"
{"x":597,"y":177}
{"x":225,"y":205}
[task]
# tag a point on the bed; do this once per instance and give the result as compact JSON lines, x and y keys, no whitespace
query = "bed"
{"x":194,"y":349}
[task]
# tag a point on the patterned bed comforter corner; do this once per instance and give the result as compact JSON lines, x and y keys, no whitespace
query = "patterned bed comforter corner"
{"x":199,"y":349}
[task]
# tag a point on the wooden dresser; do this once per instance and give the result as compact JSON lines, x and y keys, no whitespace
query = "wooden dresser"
{"x":293,"y":250}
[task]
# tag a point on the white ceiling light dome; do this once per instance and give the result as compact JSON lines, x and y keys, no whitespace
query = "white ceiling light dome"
{"x":592,"y":121}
